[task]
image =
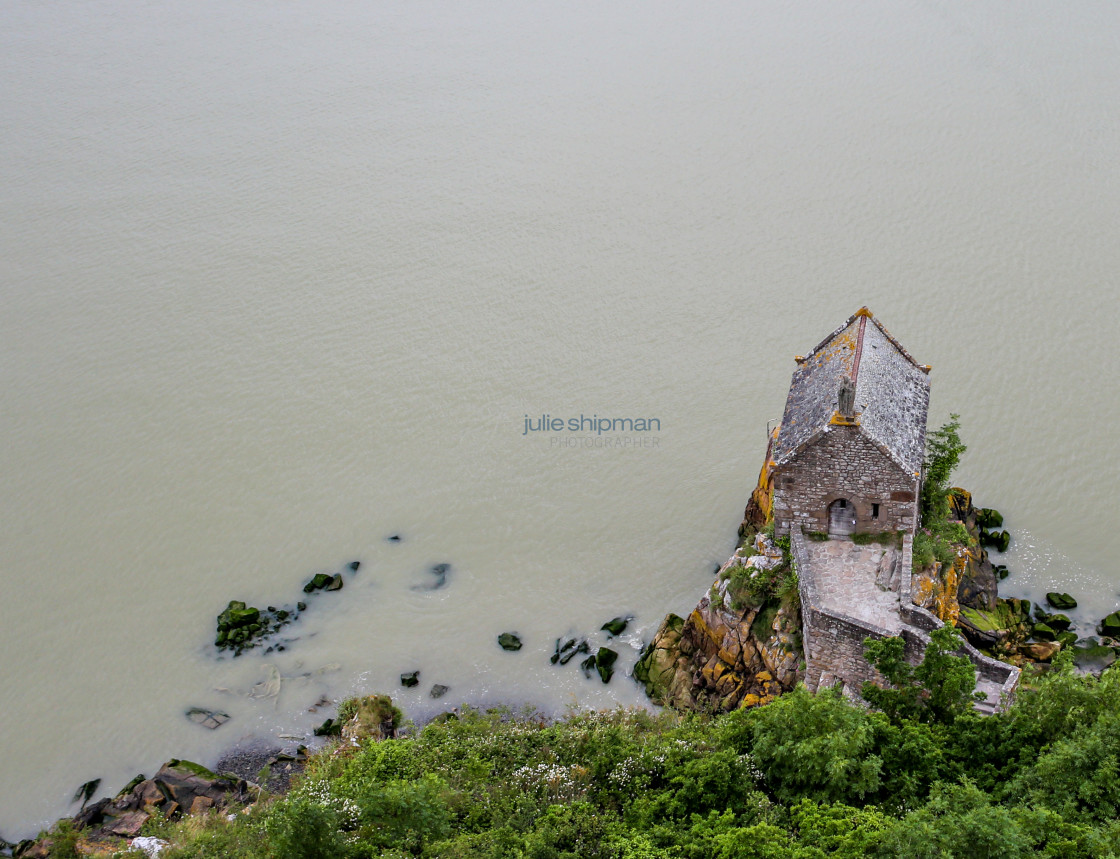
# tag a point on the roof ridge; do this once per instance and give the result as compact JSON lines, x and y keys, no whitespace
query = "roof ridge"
{"x":865,"y":312}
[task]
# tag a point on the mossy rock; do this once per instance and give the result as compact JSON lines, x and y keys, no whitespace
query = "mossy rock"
{"x":317,"y":583}
{"x":1061,"y":601}
{"x":988,"y":518}
{"x":509,"y":641}
{"x":1060,"y":622}
{"x":1110,"y":626}
{"x":1044,"y":632}
{"x":617,"y":625}
{"x":191,"y":767}
{"x":604,"y":663}
{"x":1067,"y":638}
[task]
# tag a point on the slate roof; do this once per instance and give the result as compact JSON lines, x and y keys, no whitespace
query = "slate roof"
{"x":892,"y":392}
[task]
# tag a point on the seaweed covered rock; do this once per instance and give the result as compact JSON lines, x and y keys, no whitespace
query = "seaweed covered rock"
{"x":1061,"y":601}
{"x":509,"y":641}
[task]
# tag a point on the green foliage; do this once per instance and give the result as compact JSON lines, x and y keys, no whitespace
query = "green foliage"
{"x":958,"y":821}
{"x":939,"y":690}
{"x":750,"y":587}
{"x":804,"y":777}
{"x":300,"y":828}
{"x":810,"y":746}
{"x":64,"y":841}
{"x":943,"y":453}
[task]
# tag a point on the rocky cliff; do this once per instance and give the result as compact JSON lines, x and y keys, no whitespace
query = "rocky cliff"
{"x":741,"y":645}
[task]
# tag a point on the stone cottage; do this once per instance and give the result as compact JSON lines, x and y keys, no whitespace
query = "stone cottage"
{"x":848,"y":455}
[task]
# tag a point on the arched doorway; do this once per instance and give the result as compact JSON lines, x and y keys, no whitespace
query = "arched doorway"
{"x":841,"y":518}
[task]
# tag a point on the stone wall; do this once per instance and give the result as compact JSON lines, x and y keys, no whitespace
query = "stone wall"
{"x":833,"y":641}
{"x":842,"y":462}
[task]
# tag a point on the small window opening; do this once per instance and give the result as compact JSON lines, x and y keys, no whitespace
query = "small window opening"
{"x":874,"y":511}
{"x":841,"y":503}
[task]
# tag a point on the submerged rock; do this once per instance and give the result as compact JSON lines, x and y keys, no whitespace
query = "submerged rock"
{"x":617,"y":626}
{"x":207,"y":718}
{"x":438,"y":690}
{"x":1061,"y":601}
{"x":86,"y":791}
{"x":439,"y":572}
{"x":569,"y":650}
{"x":509,"y":641}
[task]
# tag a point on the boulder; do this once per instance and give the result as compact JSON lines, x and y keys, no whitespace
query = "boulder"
{"x":410,"y":679}
{"x":617,"y":625}
{"x":988,"y":518}
{"x":1061,"y":601}
{"x":128,"y":825}
{"x":604,"y":663}
{"x":1059,"y":622}
{"x":1110,"y":626}
{"x":509,"y":641}
{"x":1044,"y":632}
{"x":318,"y":582}
{"x":1040,"y":651}
{"x":438,"y":690}
{"x":335,"y":584}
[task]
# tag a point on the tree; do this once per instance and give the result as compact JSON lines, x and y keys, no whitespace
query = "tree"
{"x":943,"y":453}
{"x":938,"y":690}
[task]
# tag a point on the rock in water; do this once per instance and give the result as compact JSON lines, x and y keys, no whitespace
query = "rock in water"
{"x":410,"y":679}
{"x":438,"y":690}
{"x":86,"y":791}
{"x":1110,"y":626}
{"x":440,"y":572}
{"x":588,"y":665}
{"x":509,"y":641}
{"x":988,"y":518}
{"x":1061,"y":601}
{"x":207,"y":718}
{"x":335,"y":584}
{"x":604,"y":663}
{"x":616,"y":626}
{"x":354,"y":566}
{"x":317,"y":583}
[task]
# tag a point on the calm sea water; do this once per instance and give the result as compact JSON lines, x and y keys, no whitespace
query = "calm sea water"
{"x":280,"y":280}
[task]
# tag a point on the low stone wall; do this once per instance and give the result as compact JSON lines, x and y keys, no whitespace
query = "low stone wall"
{"x":833,"y":641}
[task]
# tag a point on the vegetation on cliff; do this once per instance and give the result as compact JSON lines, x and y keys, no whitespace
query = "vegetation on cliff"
{"x":806,"y":777}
